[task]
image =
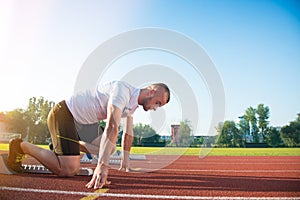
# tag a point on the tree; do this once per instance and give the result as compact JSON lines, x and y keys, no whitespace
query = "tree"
{"x":290,"y":134}
{"x":144,"y":134}
{"x":273,"y":137}
{"x":263,"y":116}
{"x":250,"y":117}
{"x":36,"y":117}
{"x":244,"y":128}
{"x":230,"y":135}
{"x":16,"y":121}
{"x":38,"y":109}
{"x":33,"y":120}
{"x":184,"y":132}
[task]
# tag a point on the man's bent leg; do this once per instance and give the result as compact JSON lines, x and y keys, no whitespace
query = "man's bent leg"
{"x":93,"y":147}
{"x":60,"y":165}
{"x":69,"y":165}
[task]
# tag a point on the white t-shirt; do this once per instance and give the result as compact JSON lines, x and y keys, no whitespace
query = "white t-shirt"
{"x":90,"y":107}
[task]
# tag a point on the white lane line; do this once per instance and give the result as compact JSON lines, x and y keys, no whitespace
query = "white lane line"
{"x":233,"y":170}
{"x":218,"y":170}
{"x":140,"y":195}
{"x":248,"y":163}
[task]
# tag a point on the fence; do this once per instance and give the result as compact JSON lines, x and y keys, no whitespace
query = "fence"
{"x":6,"y":137}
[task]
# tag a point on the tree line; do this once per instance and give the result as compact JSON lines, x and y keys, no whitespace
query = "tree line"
{"x":252,"y":128}
{"x":30,"y":122}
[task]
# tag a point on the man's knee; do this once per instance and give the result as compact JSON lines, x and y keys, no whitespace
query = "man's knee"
{"x":69,"y":166}
{"x":69,"y":171}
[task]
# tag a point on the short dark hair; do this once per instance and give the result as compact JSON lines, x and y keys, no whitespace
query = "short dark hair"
{"x":165,"y":87}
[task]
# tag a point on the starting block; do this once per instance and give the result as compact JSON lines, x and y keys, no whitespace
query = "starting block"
{"x":115,"y":159}
{"x":40,"y":169}
{"x":36,"y":169}
{"x":86,"y":160}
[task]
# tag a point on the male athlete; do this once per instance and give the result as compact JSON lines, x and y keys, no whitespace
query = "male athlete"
{"x":111,"y":101}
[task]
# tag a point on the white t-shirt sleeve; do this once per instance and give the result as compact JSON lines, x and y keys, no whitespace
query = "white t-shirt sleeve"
{"x":120,"y":96}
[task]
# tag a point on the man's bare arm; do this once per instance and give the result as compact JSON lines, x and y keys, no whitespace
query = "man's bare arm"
{"x":127,"y":140}
{"x":107,"y":145}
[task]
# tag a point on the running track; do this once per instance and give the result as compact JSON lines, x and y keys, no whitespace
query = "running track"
{"x":188,"y":177}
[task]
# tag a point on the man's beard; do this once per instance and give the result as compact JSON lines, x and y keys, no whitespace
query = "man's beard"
{"x":146,"y":103}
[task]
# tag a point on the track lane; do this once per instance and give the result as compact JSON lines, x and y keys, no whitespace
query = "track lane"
{"x":222,"y":177}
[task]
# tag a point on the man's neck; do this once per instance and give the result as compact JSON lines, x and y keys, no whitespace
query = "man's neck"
{"x":142,"y":95}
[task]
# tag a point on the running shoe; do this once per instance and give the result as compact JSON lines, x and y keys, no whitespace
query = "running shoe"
{"x":15,"y":155}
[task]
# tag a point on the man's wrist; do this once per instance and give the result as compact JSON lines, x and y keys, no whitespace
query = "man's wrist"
{"x":125,"y":155}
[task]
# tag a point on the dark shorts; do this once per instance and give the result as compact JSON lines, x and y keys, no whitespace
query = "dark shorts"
{"x":63,"y":132}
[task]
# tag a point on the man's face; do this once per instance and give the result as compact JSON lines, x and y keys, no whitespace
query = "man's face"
{"x":155,"y":100}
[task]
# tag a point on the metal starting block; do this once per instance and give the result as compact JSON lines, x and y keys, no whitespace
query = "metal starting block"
{"x":115,"y":159}
{"x":40,"y":169}
{"x":94,"y":160}
{"x":36,"y":169}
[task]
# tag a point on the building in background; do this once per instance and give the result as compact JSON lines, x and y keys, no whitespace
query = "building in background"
{"x":175,"y":133}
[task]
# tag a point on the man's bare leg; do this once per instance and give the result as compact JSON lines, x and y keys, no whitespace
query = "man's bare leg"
{"x":93,"y":147}
{"x":60,"y":165}
{"x":89,"y":148}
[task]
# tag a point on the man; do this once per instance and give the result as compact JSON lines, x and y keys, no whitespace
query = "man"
{"x":111,"y":101}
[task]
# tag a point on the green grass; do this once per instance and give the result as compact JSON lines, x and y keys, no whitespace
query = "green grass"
{"x":206,"y":151}
{"x":218,"y":151}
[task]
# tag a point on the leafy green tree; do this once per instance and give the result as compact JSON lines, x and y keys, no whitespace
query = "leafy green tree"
{"x":230,"y":136}
{"x":250,"y":117}
{"x":244,"y":128}
{"x":38,"y":109}
{"x":33,"y":120}
{"x":263,"y":116}
{"x":290,"y":134}
{"x":144,"y":134}
{"x":184,"y":132}
{"x":273,"y":137}
{"x":16,"y":121}
{"x":36,"y":117}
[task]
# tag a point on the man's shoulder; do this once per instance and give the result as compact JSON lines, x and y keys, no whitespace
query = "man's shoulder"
{"x":123,"y":85}
{"x":118,"y":87}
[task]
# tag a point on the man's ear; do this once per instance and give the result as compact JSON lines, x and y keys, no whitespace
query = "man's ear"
{"x":151,"y":92}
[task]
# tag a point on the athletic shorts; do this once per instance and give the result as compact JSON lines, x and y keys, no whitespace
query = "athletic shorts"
{"x":63,"y":132}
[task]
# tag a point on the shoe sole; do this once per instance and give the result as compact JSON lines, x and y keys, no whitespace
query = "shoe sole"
{"x":4,"y":169}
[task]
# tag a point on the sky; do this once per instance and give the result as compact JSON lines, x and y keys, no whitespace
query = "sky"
{"x":254,"y":45}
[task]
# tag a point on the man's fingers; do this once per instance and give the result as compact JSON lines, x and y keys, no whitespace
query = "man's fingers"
{"x":92,"y":182}
{"x":122,"y":169}
{"x":98,"y":183}
{"x":101,"y":181}
{"x":99,"y":178}
{"x":126,"y":169}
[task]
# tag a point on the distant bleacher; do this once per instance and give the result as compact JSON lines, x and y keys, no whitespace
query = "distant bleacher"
{"x":6,"y":137}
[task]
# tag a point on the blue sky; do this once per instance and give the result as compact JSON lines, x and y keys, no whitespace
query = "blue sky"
{"x":255,"y":46}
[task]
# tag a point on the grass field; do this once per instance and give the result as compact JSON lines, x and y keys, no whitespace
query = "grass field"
{"x":206,"y":151}
{"x":218,"y":151}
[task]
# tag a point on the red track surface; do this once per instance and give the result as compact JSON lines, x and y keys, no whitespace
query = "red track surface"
{"x":188,"y":176}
